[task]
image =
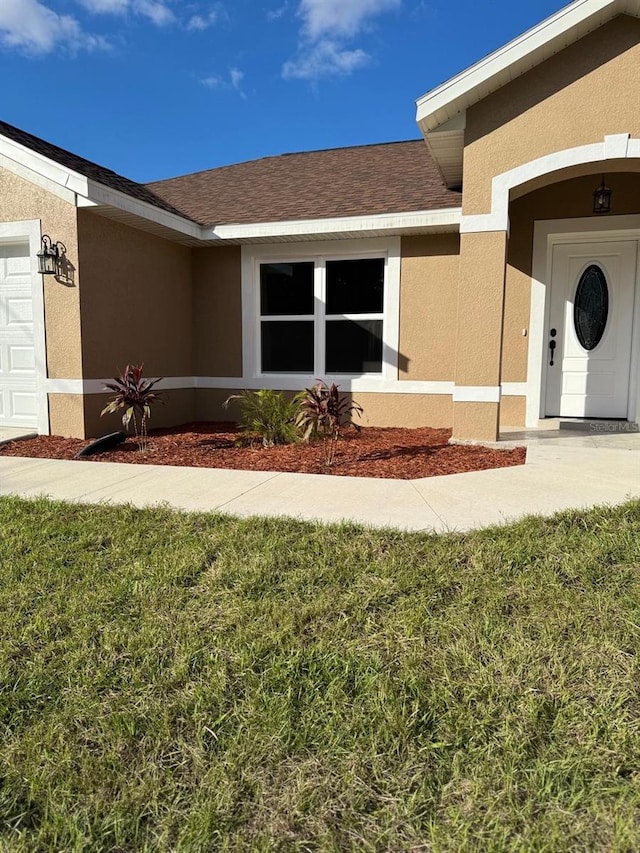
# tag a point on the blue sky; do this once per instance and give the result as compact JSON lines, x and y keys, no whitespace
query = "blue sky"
{"x":156,"y":88}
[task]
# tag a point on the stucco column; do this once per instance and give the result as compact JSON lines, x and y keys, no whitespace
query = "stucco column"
{"x":476,"y":397}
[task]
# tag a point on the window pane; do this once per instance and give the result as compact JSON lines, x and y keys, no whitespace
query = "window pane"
{"x":355,"y":287}
{"x":286,"y":289}
{"x":591,"y":307}
{"x":287,"y":346}
{"x":354,"y":347}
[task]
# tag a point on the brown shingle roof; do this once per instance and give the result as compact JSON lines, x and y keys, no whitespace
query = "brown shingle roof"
{"x":86,"y":167}
{"x":393,"y":177}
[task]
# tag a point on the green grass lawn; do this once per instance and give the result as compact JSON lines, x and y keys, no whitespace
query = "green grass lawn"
{"x":201,"y":683}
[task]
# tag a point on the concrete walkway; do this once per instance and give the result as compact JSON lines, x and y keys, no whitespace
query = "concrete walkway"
{"x":563,"y":470}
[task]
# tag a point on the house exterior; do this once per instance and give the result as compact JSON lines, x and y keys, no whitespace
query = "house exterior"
{"x":462,"y":279}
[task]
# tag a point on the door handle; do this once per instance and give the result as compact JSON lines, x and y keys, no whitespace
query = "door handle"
{"x":552,"y":347}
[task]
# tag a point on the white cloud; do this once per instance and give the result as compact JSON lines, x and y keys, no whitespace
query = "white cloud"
{"x":31,"y":26}
{"x":327,"y":27}
{"x":234,"y":82}
{"x":203,"y":22}
{"x":324,"y":59}
{"x":105,"y":6}
{"x":340,"y":17}
{"x":159,"y":13}
{"x":275,"y":14}
{"x":237,"y":77}
{"x":156,"y":10}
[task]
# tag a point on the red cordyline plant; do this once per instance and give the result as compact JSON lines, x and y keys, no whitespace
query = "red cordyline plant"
{"x":324,"y":412}
{"x":133,"y":397}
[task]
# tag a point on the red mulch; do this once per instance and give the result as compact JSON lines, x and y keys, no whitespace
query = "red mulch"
{"x":372,"y":452}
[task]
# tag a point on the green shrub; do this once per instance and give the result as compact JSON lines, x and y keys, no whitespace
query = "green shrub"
{"x":266,"y":417}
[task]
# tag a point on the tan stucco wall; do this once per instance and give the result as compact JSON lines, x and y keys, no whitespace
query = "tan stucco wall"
{"x":217,"y":312}
{"x":480,"y":307}
{"x":513,"y":411}
{"x":578,"y":96}
{"x":475,"y":421}
{"x":428,"y":306}
{"x":136,"y":300}
{"x":407,"y":410}
{"x":22,"y":200}
{"x":66,"y":415}
{"x":177,"y":407}
{"x":209,"y":402}
{"x":381,"y":410}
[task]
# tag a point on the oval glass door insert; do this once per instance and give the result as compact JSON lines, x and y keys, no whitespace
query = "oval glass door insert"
{"x":591,"y":307}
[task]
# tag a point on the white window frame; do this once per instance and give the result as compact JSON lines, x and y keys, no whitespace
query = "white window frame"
{"x":321,"y":252}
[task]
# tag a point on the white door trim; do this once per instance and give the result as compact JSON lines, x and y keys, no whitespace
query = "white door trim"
{"x":547,"y":234}
{"x":28,"y":232}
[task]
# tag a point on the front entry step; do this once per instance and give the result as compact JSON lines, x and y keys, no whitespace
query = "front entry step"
{"x":597,"y":425}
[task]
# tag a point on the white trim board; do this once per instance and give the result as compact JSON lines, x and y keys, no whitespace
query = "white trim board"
{"x":287,"y":383}
{"x":276,"y":383}
{"x":29,"y":232}
{"x":514,"y":389}
{"x":547,"y":234}
{"x":38,"y":179}
{"x":477,"y":394}
{"x":418,"y":221}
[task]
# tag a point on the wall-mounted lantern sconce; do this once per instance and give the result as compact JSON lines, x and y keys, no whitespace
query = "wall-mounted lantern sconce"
{"x":50,"y":256}
{"x":602,"y":199}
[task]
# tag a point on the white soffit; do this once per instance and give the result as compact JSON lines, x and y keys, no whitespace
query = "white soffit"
{"x":346,"y":227}
{"x":441,"y":112}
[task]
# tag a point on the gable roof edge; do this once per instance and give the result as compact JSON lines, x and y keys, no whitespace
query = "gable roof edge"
{"x":456,"y":94}
{"x":446,"y":105}
{"x":66,"y":180}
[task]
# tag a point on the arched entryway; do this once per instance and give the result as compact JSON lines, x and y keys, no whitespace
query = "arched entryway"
{"x":559,"y":257}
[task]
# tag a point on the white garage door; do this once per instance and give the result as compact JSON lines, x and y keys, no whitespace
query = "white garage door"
{"x":18,"y":402}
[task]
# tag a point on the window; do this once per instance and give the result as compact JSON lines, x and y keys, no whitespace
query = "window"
{"x":321,"y":309}
{"x":322,"y":317}
{"x":287,"y":318}
{"x":591,"y":307}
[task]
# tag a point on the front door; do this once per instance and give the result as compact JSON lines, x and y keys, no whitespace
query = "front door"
{"x":590,"y":329}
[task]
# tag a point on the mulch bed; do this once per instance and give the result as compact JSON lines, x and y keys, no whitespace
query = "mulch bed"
{"x":372,"y":452}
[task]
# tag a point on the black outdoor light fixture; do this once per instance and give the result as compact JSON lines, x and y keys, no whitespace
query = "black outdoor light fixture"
{"x":50,"y":255}
{"x":602,"y":199}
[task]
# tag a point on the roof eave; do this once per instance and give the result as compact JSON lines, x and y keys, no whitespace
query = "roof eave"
{"x":83,"y":192}
{"x":80,"y":191}
{"x":448,"y":102}
{"x":445,"y":220}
